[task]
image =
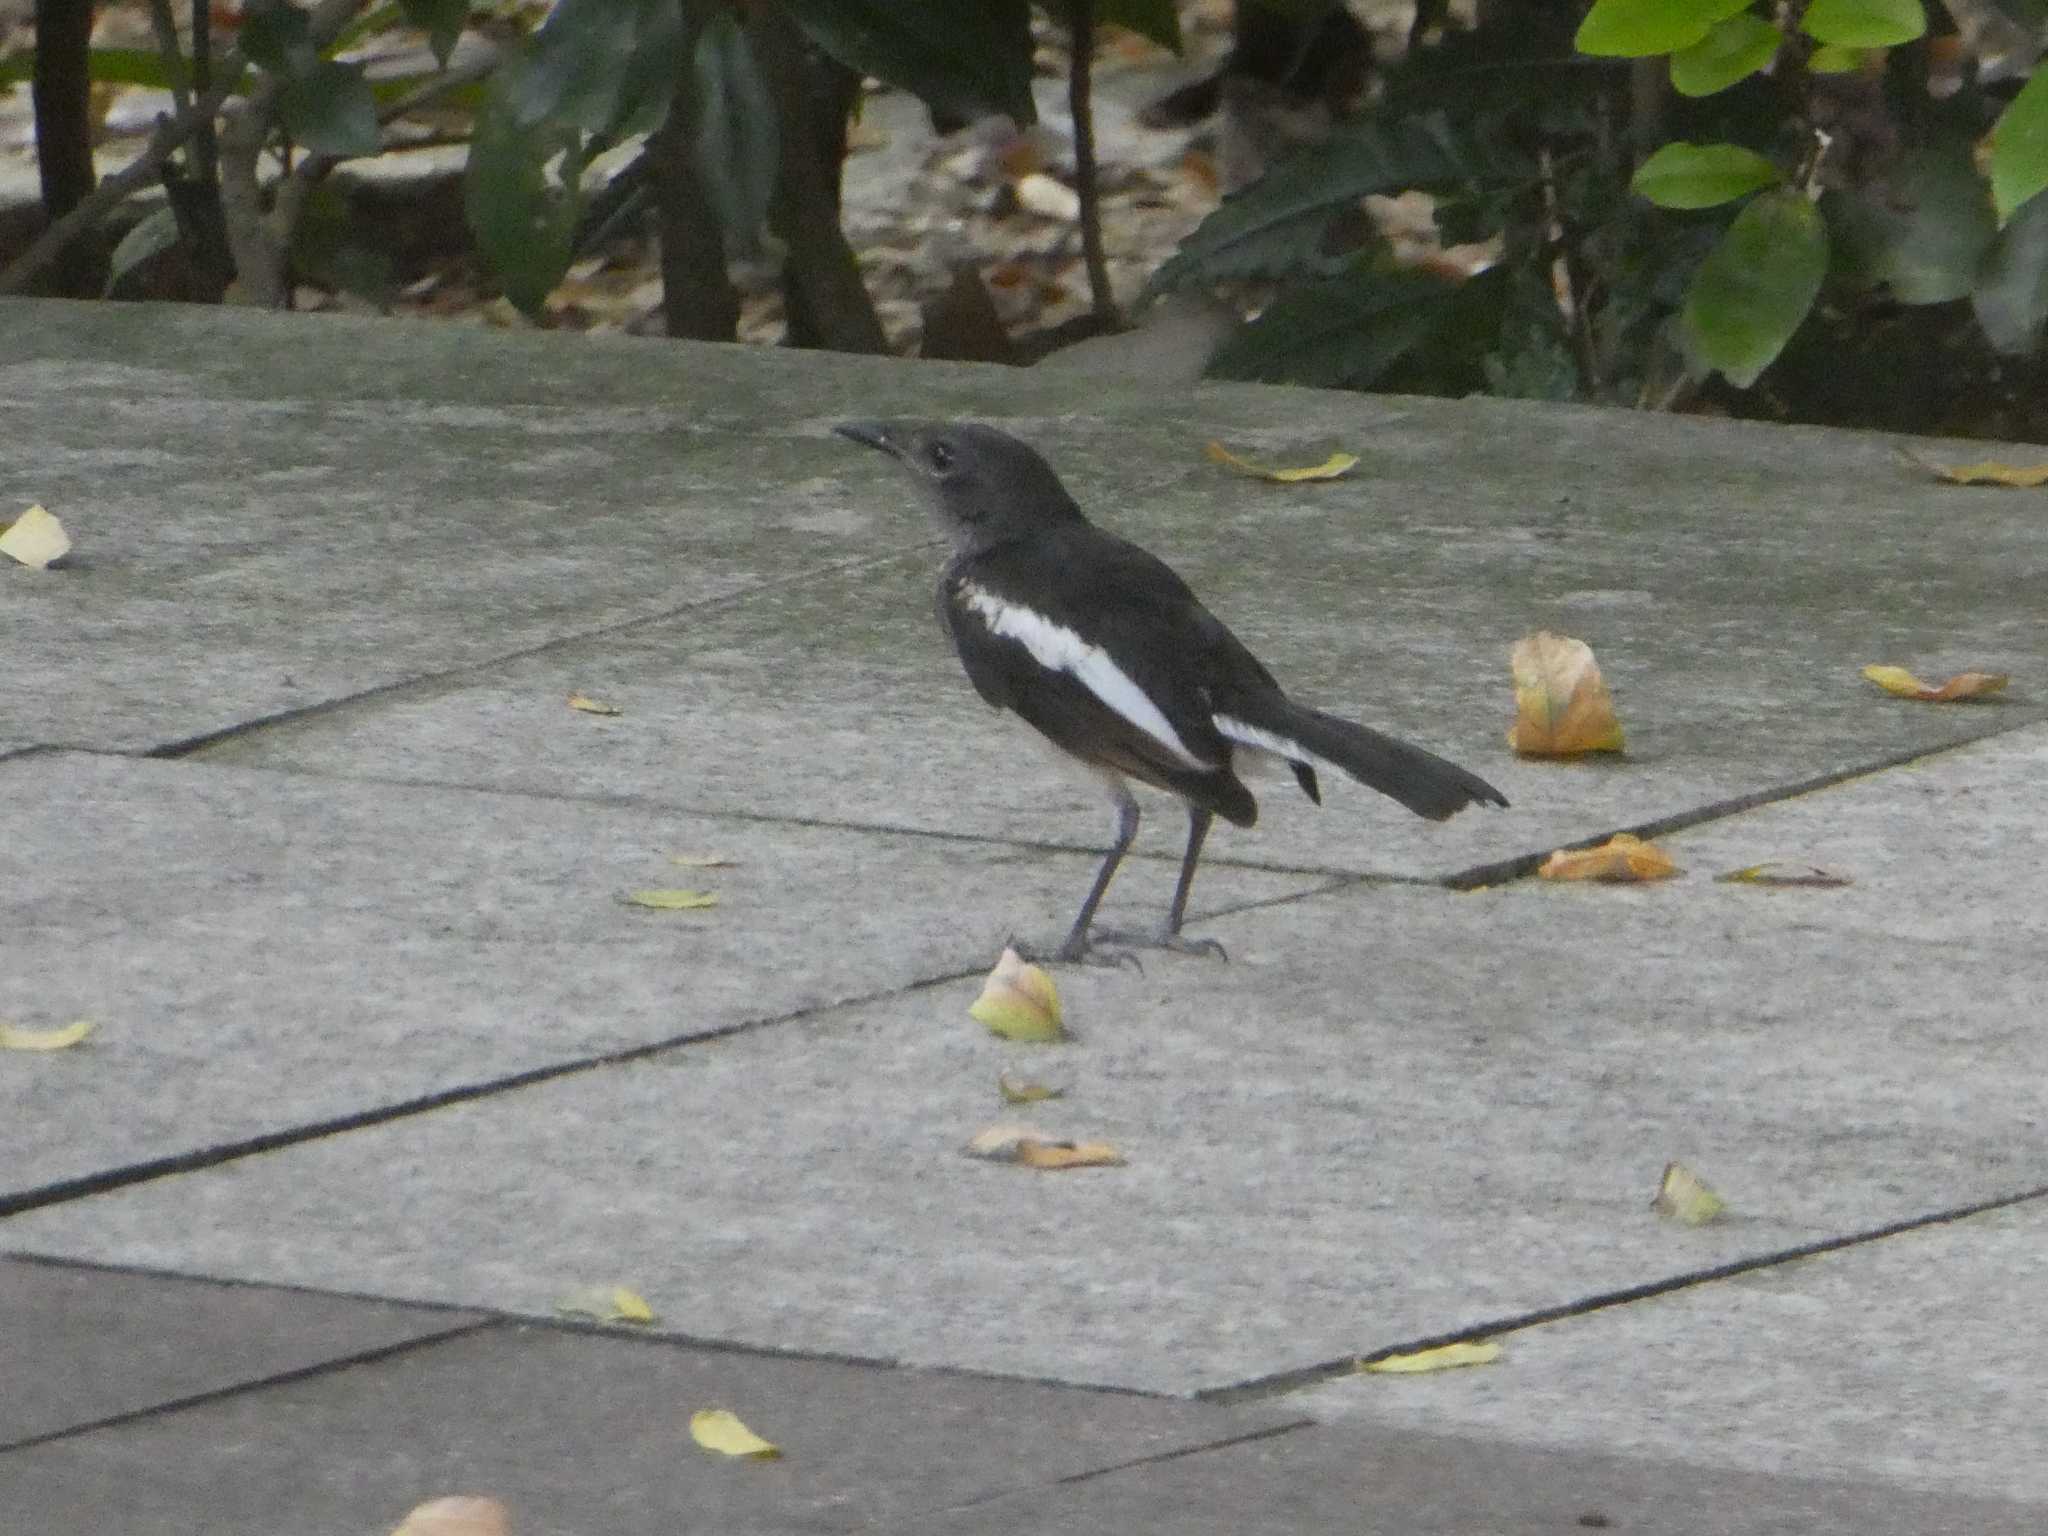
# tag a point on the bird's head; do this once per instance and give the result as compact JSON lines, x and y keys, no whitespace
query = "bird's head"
{"x":985,"y":487}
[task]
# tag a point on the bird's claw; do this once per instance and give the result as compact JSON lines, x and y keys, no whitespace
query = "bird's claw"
{"x":1175,"y":943}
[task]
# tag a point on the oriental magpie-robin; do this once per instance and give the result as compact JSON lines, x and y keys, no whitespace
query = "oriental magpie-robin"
{"x":1105,"y":651}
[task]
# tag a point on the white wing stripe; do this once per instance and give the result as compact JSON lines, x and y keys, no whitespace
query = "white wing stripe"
{"x":1265,"y":740}
{"x":1058,"y":649}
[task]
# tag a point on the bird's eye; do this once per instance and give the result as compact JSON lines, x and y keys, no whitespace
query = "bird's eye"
{"x":939,"y":456}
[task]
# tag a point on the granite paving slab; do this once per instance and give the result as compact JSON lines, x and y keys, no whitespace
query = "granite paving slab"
{"x":86,"y":1345}
{"x":267,"y":952}
{"x":1397,"y":1113}
{"x":586,"y":1436}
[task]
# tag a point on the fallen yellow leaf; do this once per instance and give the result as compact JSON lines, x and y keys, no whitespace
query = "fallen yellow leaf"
{"x":1032,"y":1148}
{"x":608,"y":1304}
{"x":1026,"y":1092}
{"x":35,"y":539}
{"x":1445,"y":1357}
{"x":457,"y":1517}
{"x":1335,"y":465}
{"x":1562,"y":707}
{"x":590,"y":706}
{"x":671,"y":900}
{"x":1624,"y":856}
{"x":1019,"y":1002}
{"x":701,"y":861}
{"x":720,"y":1430}
{"x":15,"y":1038}
{"x":1964,"y":685}
{"x":1984,"y":472}
{"x":1775,"y":873}
{"x":1684,"y":1197}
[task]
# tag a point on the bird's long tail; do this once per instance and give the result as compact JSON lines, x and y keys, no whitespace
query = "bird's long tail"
{"x":1427,"y":784}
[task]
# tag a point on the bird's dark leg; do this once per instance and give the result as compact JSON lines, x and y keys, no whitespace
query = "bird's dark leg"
{"x":1169,"y":937}
{"x":1076,"y":946}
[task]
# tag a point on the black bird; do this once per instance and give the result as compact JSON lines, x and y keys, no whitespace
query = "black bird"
{"x":1104,"y":650}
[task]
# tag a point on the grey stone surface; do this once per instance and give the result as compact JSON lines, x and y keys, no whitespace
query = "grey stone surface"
{"x":1397,"y":1113}
{"x":1380,"y":1483}
{"x":87,"y":1345}
{"x":1896,"y":1363}
{"x":265,"y":951}
{"x":586,"y":1436}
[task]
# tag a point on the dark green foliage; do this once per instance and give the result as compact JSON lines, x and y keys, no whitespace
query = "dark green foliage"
{"x":965,"y":57}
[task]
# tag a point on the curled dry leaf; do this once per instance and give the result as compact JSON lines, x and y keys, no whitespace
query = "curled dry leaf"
{"x":590,"y":706}
{"x":1964,"y":685}
{"x":671,"y":900}
{"x":1445,"y":1357}
{"x":1330,"y":469}
{"x":15,"y":1038}
{"x":457,"y":1516}
{"x":720,"y":1430}
{"x":1983,"y":472}
{"x":1019,"y":1001}
{"x":1032,"y":1148}
{"x":1623,"y":856}
{"x":35,"y":539}
{"x":1025,"y":1092}
{"x":1562,"y":707}
{"x":1776,"y":873}
{"x":1683,"y":1197}
{"x":606,"y":1303}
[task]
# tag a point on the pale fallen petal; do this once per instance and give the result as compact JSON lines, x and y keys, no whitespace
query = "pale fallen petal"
{"x":720,"y":1430}
{"x":606,"y":1303}
{"x":1025,"y":1092}
{"x":1623,"y":857}
{"x":590,"y":706}
{"x":35,"y":539}
{"x":671,"y":900}
{"x":1019,"y":1002}
{"x":457,"y":1516}
{"x":1445,"y":1357}
{"x":15,"y":1038}
{"x":1337,"y":464}
{"x":1778,"y":873}
{"x":1964,"y":685}
{"x":1562,"y":706}
{"x":1683,"y":1196}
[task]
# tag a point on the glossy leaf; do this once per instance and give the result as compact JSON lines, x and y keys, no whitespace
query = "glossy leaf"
{"x":737,"y":141}
{"x":155,"y":232}
{"x":329,"y":110}
{"x":2011,"y":296}
{"x":1865,"y":23}
{"x":1834,"y":59}
{"x":607,"y":66}
{"x":1923,"y":233}
{"x":1733,"y":51}
{"x":441,"y":20}
{"x":1755,"y":287}
{"x":970,"y":59}
{"x":1634,"y":29}
{"x":1702,"y":175}
{"x":2019,"y":148}
{"x":1339,"y":334}
{"x":524,"y":226}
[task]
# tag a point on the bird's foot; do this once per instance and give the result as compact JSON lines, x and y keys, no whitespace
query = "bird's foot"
{"x":1078,"y":949}
{"x":1170,"y":940}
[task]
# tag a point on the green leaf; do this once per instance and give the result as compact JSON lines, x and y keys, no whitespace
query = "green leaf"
{"x":1274,"y":227}
{"x":1635,"y":29}
{"x":1834,"y":59}
{"x":2011,"y":297}
{"x":607,"y":66}
{"x":441,"y":20}
{"x":154,"y":232}
{"x":1923,"y":233}
{"x":969,"y":58}
{"x":278,"y":36}
{"x":2019,"y":148}
{"x":1754,"y":288}
{"x":737,"y":143}
{"x":329,"y":110}
{"x":1340,"y":334}
{"x":1865,"y":23}
{"x":524,"y":227}
{"x":1736,"y":49}
{"x":1158,"y":20}
{"x":1702,"y":175}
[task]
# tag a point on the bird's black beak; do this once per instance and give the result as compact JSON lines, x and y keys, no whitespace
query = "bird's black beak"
{"x":871,"y":434}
